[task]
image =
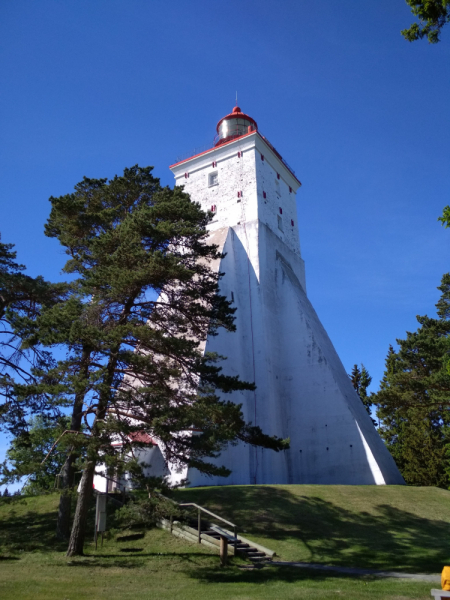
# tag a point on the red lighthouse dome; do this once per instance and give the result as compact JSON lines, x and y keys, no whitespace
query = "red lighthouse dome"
{"x":234,"y":125}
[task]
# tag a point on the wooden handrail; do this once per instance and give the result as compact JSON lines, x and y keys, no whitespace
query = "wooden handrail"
{"x":201,"y":509}
{"x":208,"y":512}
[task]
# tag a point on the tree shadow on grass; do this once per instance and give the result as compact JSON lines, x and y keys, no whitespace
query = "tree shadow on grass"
{"x":138,"y":560}
{"x":268,"y":575}
{"x":326,"y":533}
{"x":130,"y":537}
{"x":30,"y":532}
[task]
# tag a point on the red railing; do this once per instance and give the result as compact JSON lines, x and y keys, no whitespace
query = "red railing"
{"x":233,"y":135}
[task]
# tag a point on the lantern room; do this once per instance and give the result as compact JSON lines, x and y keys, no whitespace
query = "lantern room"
{"x":233,"y":126}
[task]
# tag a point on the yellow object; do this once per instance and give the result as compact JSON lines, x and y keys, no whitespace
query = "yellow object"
{"x":445,"y":579}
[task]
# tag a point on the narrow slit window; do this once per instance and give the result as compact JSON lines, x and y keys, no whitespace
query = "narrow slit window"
{"x":262,"y":156}
{"x":213,"y":179}
{"x":213,"y":208}
{"x":281,"y":210}
{"x":292,"y":222}
{"x":264,"y":195}
{"x":232,"y":296}
{"x":280,"y":223}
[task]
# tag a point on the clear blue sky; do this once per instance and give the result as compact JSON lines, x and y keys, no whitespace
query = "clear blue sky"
{"x":88,"y":88}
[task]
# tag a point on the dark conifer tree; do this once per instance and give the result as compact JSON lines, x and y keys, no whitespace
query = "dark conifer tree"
{"x":432,"y":16}
{"x":135,"y":364}
{"x":26,"y":456}
{"x":414,"y":399}
{"x":22,"y":298}
{"x":361,"y":380}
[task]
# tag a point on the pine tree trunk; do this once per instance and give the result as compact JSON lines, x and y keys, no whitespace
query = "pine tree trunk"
{"x":65,"y":500}
{"x":68,"y":472}
{"x":76,"y":542}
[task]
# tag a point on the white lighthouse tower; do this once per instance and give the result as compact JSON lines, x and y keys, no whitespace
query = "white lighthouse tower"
{"x":303,"y":391}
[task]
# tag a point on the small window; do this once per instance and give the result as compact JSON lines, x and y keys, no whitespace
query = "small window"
{"x":239,"y":194}
{"x":186,"y":175}
{"x":213,"y":208}
{"x":213,"y":179}
{"x":278,"y":176}
{"x":290,"y":190}
{"x":214,"y":164}
{"x":232,"y":297}
{"x":239,"y":154}
{"x":292,"y":222}
{"x":280,"y":223}
{"x":281,"y":210}
{"x":262,"y":156}
{"x":264,"y":195}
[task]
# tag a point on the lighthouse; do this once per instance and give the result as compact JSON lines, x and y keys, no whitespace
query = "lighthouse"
{"x":302,"y":389}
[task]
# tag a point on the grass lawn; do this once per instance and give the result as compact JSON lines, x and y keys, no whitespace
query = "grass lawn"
{"x":380,"y":527}
{"x":153,"y":564}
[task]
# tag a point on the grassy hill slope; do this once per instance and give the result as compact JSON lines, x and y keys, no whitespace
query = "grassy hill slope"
{"x":380,"y":527}
{"x":339,"y":525}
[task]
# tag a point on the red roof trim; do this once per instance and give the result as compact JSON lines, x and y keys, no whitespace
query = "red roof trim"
{"x":230,"y":142}
{"x":211,"y":149}
{"x":138,"y":437}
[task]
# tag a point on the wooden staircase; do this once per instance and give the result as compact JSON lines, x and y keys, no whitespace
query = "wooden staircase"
{"x":205,"y":532}
{"x":247,"y":549}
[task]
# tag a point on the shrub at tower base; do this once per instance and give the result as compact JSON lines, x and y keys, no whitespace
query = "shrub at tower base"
{"x":134,"y":363}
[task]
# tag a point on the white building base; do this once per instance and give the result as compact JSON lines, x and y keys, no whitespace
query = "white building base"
{"x":303,"y":391}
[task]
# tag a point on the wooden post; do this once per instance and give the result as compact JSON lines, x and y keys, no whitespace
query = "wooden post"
{"x":223,"y":550}
{"x":199,"y":527}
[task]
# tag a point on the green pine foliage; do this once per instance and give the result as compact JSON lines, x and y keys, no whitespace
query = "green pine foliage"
{"x":445,"y":218}
{"x":30,"y":456}
{"x":142,"y":300}
{"x":21,"y":364}
{"x":128,"y":241}
{"x":361,"y":380}
{"x":414,"y":399}
{"x":432,"y":16}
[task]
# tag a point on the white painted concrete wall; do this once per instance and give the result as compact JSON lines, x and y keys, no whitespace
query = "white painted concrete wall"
{"x":303,"y":391}
{"x":152,"y":461}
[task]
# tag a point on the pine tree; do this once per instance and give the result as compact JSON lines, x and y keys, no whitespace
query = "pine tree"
{"x":27,"y":453}
{"x":432,"y":16}
{"x":361,"y":380}
{"x":21,"y":297}
{"x":134,"y":363}
{"x":414,"y":399}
